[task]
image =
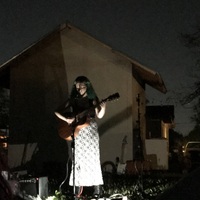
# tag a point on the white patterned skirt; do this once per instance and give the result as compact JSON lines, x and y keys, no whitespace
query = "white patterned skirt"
{"x":87,"y":158}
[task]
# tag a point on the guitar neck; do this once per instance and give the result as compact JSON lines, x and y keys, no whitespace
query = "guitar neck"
{"x":109,"y":98}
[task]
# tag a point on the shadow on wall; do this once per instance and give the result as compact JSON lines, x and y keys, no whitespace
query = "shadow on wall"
{"x":115,"y":120}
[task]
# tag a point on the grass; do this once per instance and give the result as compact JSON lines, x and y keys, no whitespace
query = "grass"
{"x":134,"y":187}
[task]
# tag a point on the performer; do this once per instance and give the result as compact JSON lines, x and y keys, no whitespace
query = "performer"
{"x":86,"y":141}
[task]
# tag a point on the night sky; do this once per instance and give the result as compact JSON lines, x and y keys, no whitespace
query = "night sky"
{"x":145,"y":30}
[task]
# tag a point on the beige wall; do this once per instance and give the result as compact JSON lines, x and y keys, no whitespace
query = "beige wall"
{"x":40,"y":81}
{"x":109,"y":72}
{"x":35,"y":92}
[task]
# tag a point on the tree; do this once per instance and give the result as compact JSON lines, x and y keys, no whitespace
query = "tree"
{"x":194,"y":135}
{"x":192,"y":41}
{"x":175,"y":140}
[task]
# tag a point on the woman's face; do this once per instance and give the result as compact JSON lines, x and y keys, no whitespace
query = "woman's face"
{"x":82,"y":89}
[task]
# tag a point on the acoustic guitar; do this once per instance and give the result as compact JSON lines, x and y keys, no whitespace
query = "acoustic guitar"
{"x":66,"y":131}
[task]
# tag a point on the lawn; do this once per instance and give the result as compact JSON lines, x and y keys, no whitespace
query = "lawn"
{"x":134,"y":187}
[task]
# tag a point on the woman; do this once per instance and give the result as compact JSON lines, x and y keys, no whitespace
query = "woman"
{"x":84,"y":100}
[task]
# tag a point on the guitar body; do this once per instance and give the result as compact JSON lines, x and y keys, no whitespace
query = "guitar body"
{"x":66,"y":130}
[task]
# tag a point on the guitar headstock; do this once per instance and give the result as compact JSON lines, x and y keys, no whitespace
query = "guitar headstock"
{"x":112,"y":97}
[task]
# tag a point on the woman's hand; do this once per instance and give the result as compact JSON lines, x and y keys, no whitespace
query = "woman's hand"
{"x":101,"y":112}
{"x":68,"y":120}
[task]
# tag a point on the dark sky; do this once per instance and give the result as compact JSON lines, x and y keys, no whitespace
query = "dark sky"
{"x":145,"y":30}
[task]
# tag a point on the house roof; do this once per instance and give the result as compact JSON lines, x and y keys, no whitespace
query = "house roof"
{"x":145,"y":74}
{"x":150,"y":77}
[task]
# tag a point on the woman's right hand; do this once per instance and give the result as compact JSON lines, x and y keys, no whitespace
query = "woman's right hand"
{"x":68,"y":120}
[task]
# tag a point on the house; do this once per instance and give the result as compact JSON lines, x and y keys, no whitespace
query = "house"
{"x":40,"y":78}
{"x":159,"y":119}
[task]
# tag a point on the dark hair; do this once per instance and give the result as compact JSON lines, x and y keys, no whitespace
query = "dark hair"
{"x":90,"y":90}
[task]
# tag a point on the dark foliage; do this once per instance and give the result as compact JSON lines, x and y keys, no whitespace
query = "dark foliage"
{"x":135,"y":187}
